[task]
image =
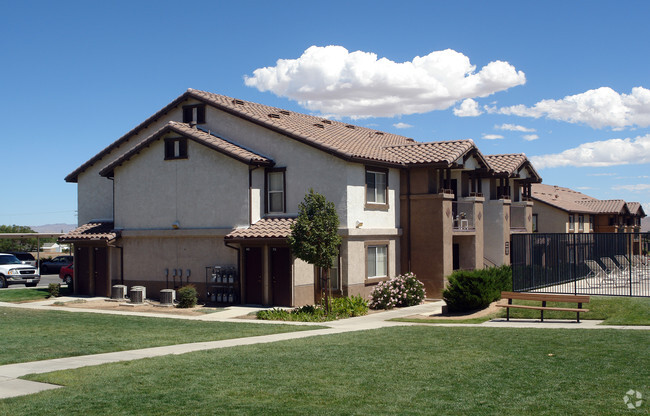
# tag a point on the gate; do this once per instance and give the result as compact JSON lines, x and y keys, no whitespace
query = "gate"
{"x":611,"y":264}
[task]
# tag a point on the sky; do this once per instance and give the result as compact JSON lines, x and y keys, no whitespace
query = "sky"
{"x":565,"y":82}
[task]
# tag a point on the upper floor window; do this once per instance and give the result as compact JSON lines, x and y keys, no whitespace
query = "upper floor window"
{"x":535,"y":229}
{"x":176,"y":148}
{"x":194,"y":114}
{"x":376,"y":186}
{"x":275,"y":196}
{"x":581,"y":222}
{"x":591,"y":223}
{"x":571,"y":224}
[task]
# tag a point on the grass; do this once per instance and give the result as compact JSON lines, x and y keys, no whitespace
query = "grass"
{"x":405,"y":370}
{"x":29,"y":335}
{"x":610,"y":309}
{"x":26,"y":295}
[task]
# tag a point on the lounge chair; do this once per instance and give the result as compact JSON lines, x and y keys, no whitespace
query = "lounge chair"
{"x":600,"y":276}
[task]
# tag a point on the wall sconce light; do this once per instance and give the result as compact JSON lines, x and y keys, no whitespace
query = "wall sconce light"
{"x":176,"y":225}
{"x":359,"y":224}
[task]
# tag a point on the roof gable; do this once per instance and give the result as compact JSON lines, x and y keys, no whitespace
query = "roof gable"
{"x":512,"y":165}
{"x":202,"y":137}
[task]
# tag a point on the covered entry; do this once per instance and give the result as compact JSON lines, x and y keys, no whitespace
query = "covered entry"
{"x":92,"y":258}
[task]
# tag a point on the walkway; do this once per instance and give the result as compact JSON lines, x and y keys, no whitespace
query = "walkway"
{"x":12,"y":386}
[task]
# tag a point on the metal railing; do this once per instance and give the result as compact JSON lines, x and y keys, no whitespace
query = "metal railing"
{"x":462,"y":215}
{"x":596,"y":264}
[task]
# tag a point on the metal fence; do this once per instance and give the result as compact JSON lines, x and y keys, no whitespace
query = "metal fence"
{"x":595,"y":264}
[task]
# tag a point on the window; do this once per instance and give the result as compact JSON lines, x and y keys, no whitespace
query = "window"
{"x":334,"y":273}
{"x":571,"y":225}
{"x":581,"y":222}
{"x":176,"y":148}
{"x":377,"y":257}
{"x":275,"y":197}
{"x":535,"y":229}
{"x":376,"y":186}
{"x":591,"y":223}
{"x":194,"y":114}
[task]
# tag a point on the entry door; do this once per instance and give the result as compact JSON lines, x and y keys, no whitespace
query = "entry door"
{"x":456,"y":256}
{"x":82,"y":271}
{"x":281,"y":276}
{"x":253,"y":275}
{"x":100,"y":263}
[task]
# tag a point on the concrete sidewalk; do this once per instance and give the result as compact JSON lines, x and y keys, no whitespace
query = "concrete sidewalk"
{"x":12,"y":386}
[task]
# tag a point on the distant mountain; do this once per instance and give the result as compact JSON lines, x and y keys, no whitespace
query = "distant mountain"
{"x":54,"y":228}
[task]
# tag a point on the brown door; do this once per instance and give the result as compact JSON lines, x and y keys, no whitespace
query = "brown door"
{"x":102,"y":282}
{"x":253,"y":275}
{"x":82,"y":271}
{"x":281,"y":276}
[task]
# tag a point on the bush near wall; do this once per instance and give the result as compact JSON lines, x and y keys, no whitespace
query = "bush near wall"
{"x":187,"y":297}
{"x":403,"y":290}
{"x":470,"y":290}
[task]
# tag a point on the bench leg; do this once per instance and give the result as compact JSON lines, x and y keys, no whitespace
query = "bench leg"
{"x":578,"y":313}
{"x":508,"y":310}
{"x":542,"y":310}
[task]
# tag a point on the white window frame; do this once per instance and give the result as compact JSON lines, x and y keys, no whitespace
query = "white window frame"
{"x":376,"y":249}
{"x":376,"y":173}
{"x":270,"y":191}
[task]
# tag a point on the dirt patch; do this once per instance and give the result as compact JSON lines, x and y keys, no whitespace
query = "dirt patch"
{"x":150,"y":307}
{"x":492,"y":309}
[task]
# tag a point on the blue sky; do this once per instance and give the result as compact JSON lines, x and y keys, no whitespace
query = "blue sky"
{"x":567,"y":83}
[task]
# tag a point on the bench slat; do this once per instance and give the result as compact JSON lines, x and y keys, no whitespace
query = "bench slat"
{"x":549,"y":297}
{"x":544,"y":308}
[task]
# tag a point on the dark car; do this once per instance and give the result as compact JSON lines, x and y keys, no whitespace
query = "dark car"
{"x":24,"y":257}
{"x":54,"y":265}
{"x":66,"y":274}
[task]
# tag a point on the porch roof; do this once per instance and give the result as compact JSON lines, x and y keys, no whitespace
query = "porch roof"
{"x":275,"y":227}
{"x":92,"y":231}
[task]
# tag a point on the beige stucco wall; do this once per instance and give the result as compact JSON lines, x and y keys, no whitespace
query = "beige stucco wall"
{"x":550,"y":219}
{"x":206,"y":190}
{"x":496,"y":231}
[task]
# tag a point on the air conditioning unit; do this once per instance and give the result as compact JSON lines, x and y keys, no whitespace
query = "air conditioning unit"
{"x":118,"y":292}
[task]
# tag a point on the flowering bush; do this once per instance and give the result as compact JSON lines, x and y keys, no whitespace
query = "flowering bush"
{"x":404,"y":290}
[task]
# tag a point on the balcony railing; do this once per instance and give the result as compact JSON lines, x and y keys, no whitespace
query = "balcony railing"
{"x":517,"y":217}
{"x":463,"y":215}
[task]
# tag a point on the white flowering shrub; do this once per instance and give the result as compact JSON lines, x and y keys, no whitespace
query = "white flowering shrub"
{"x":404,"y":290}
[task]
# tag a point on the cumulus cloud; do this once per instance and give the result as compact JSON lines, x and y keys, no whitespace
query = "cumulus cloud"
{"x":601,"y":153}
{"x":641,"y":187}
{"x":492,"y":136}
{"x":513,"y":127}
{"x":402,"y":125}
{"x":530,"y":137}
{"x":358,"y":84}
{"x":599,"y":108}
{"x":468,"y":108}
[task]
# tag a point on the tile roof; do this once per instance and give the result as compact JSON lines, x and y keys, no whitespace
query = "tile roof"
{"x":264,"y":228}
{"x":344,"y":140}
{"x":198,"y":135}
{"x":636,"y":208}
{"x":92,"y":231}
{"x":608,"y":206}
{"x":432,"y":152}
{"x":562,"y":198}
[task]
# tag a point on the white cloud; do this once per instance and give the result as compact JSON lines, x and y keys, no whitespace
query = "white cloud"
{"x":492,"y":136}
{"x":633,"y":188}
{"x":468,"y":108}
{"x":358,"y":84}
{"x":584,"y":188}
{"x":601,"y":174}
{"x":602,"y":107}
{"x":602,"y":153}
{"x":513,"y":127}
{"x":530,"y":137}
{"x":402,"y":126}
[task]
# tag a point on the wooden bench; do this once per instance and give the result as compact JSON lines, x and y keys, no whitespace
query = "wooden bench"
{"x":543,"y":297}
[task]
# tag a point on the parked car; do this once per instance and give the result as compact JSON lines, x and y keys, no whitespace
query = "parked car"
{"x":54,"y":265}
{"x":24,"y":257}
{"x":13,"y":271}
{"x":66,"y":274}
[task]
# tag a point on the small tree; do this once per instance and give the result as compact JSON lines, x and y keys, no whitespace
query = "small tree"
{"x":314,"y":236}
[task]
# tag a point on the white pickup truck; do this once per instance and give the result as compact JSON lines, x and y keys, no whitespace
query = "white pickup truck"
{"x":13,"y":271}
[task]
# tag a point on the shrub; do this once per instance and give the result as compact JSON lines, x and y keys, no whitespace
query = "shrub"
{"x":404,"y":290}
{"x":54,"y":290}
{"x":340,"y":308}
{"x":187,"y":297}
{"x":470,"y":290}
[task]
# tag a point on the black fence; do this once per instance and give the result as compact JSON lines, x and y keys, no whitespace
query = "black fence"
{"x":612,"y":264}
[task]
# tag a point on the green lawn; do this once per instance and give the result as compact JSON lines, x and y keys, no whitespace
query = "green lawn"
{"x":416,"y":370}
{"x":29,"y":335}
{"x":611,"y":310}
{"x":22,"y":295}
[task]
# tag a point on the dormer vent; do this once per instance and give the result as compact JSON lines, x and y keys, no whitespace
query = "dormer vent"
{"x":320,"y":126}
{"x":238,"y":102}
{"x":285,"y":112}
{"x":379,"y":133}
{"x":350,"y":126}
{"x":326,"y":121}
{"x":273,"y":115}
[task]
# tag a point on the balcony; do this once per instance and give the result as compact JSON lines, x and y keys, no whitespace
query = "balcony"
{"x":518,"y":217}
{"x":463,"y":215}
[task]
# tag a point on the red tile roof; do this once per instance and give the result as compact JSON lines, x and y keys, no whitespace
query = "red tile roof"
{"x":264,"y":228}
{"x":636,"y":209}
{"x":562,"y":198}
{"x":607,"y":206}
{"x":433,"y":152}
{"x":200,"y":136}
{"x":92,"y":231}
